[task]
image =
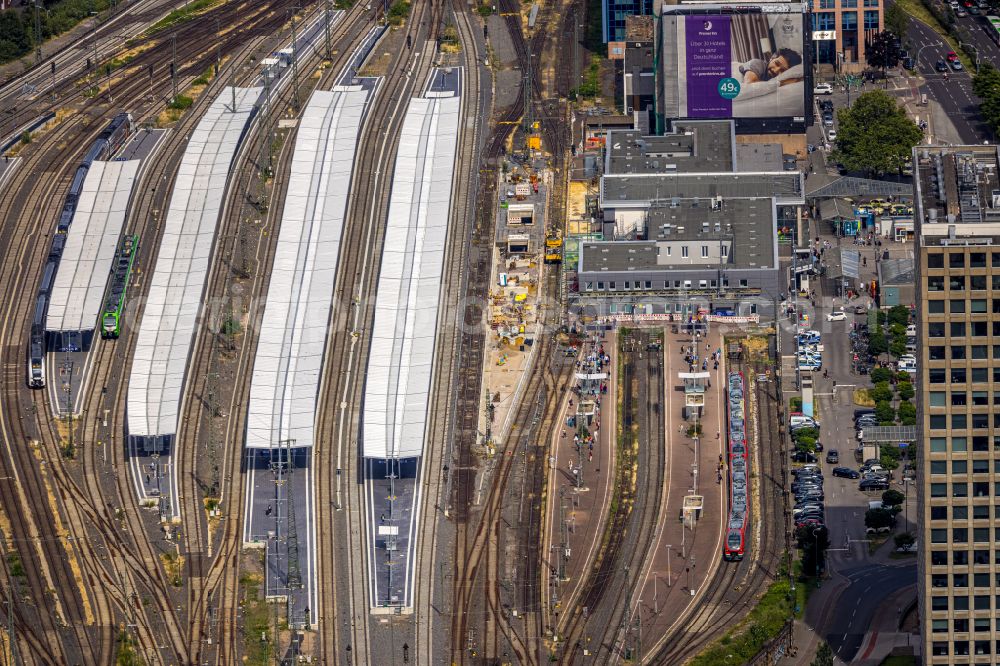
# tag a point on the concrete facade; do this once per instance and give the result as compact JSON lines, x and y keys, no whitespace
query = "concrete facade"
{"x":958,"y":296}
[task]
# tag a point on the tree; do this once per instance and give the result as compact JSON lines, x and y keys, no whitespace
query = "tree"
{"x":877,"y":343}
{"x":906,"y":392}
{"x":882,"y":52}
{"x":824,"y":655}
{"x":904,"y":540}
{"x":896,"y":20}
{"x":893,"y":497}
{"x":897,"y":347}
{"x":986,"y":85}
{"x":907,"y":411}
{"x":879,"y":518}
{"x":806,"y":444}
{"x":813,"y":541}
{"x":885,"y":414}
{"x":875,"y":135}
{"x":879,"y":375}
{"x":805,"y":433}
{"x":899,"y":314}
{"x":882,"y":392}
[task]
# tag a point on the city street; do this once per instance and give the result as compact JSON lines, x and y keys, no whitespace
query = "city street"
{"x":841,"y":612}
{"x":954,"y":94}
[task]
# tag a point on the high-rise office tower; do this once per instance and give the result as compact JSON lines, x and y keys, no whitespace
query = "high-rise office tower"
{"x":957,"y":193}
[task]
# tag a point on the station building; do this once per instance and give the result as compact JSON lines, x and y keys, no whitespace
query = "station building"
{"x":690,"y":221}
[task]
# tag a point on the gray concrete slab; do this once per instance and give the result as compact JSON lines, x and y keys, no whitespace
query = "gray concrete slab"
{"x":499,"y":40}
{"x":392,"y":502}
{"x":446,"y":79}
{"x":280,"y":518}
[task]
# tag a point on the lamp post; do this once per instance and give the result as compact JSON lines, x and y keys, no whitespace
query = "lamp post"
{"x":816,"y":531}
{"x":967,"y":45}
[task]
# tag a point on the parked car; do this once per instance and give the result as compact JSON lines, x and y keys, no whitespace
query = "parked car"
{"x":873,"y":484}
{"x":802,"y":419}
{"x":862,"y":411}
{"x":803,"y":456}
{"x":823,"y":89}
{"x":832,"y":135}
{"x":846,"y":473}
{"x":828,"y":119}
{"x":832,"y":457}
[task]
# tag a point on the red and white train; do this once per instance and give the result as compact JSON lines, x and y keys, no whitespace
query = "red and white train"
{"x":739,"y":470}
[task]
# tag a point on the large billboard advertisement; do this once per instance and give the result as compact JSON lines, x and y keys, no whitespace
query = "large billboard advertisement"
{"x":751,"y":63}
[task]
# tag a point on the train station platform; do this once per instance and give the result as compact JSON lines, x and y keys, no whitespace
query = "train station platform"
{"x":177,"y":283}
{"x":403,"y":337}
{"x":89,"y":252}
{"x":290,"y":349}
{"x":82,"y":280}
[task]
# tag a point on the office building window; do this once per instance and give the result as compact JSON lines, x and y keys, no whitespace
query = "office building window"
{"x":684,"y":251}
{"x":704,"y":251}
{"x":824,"y":21}
{"x":849,"y":20}
{"x":871,"y":19}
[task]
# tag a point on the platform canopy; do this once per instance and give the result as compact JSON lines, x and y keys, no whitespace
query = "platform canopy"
{"x":409,"y":284}
{"x":177,"y":283}
{"x":288,"y":363}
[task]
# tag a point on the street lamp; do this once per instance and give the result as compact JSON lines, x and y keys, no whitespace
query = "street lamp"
{"x":974,"y":50}
{"x":816,"y":531}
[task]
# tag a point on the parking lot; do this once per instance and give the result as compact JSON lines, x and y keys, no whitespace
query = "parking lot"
{"x":839,"y":365}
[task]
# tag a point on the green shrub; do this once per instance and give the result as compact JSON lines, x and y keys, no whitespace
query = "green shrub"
{"x":879,"y":375}
{"x":180,"y":103}
{"x":885,"y":414}
{"x":398,"y":12}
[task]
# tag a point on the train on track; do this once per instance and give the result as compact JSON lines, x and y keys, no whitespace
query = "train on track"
{"x":110,"y":141}
{"x":114,"y":301}
{"x":739,"y":470}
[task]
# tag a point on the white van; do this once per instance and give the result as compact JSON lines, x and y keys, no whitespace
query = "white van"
{"x":802,"y":420}
{"x":908,"y":365}
{"x":911,"y":331}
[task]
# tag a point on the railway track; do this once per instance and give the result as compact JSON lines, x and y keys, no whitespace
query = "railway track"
{"x":477,"y":542}
{"x":610,"y":591}
{"x":342,"y":569}
{"x":132,"y":571}
{"x":431,"y":600}
{"x":732,"y":590}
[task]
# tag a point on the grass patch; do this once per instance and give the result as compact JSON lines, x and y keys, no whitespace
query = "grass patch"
{"x":899,"y":661}
{"x":173,"y":564}
{"x":862,"y":398}
{"x":180,"y":103}
{"x":763,"y":623}
{"x":178,"y":16}
{"x":258,"y":638}
{"x":591,"y":86}
{"x":125,"y":654}
{"x":15,"y":565}
{"x":398,"y":13}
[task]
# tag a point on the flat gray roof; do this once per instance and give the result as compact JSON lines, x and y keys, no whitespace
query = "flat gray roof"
{"x":759,"y":157}
{"x":745,"y":226}
{"x":693,"y":147}
{"x":621,"y":189}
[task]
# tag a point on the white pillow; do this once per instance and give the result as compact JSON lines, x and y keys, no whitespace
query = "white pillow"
{"x":791,"y":73}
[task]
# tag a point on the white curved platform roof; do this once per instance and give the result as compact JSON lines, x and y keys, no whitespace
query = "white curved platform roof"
{"x":288,"y":364}
{"x":82,"y":278}
{"x":177,"y":282}
{"x":406,"y":302}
